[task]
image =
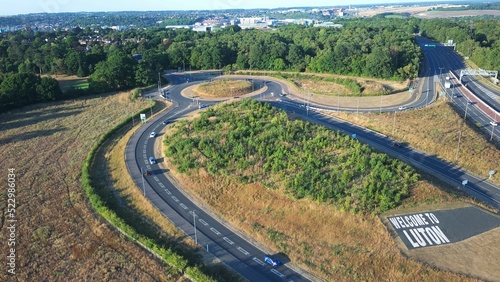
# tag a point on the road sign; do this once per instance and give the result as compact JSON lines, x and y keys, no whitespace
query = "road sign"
{"x":491,"y":173}
{"x":465,"y":182}
{"x":410,"y":89}
{"x":143,"y":117}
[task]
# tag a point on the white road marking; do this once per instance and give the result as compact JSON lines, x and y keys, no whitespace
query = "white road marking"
{"x":259,"y":261}
{"x":161,"y":185}
{"x":168,"y":192}
{"x":243,"y":251}
{"x":184,"y":206}
{"x":144,"y":156}
{"x":144,"y":152}
{"x":215,"y":231}
{"x":227,"y":240}
{"x":277,"y":273}
{"x":175,"y":198}
{"x":156,"y":179}
{"x":203,"y":222}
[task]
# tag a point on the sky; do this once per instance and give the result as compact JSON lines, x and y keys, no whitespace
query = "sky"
{"x":15,"y":7}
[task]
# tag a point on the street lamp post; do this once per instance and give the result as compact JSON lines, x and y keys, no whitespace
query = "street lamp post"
{"x":460,"y":132}
{"x":493,"y":127}
{"x":194,"y":224}
{"x":338,"y":102}
{"x":159,"y":84}
{"x":380,"y":111}
{"x":427,"y":98}
{"x":394,"y":124}
{"x":143,"y":187}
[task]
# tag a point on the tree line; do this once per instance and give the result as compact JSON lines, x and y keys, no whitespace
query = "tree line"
{"x":380,"y":47}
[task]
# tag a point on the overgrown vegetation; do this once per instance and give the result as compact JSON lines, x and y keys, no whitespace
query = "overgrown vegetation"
{"x":257,"y":143}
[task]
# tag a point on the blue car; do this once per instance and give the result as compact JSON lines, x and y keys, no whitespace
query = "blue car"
{"x":272,"y":261}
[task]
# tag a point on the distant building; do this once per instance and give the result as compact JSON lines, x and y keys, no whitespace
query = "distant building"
{"x":328,"y":24}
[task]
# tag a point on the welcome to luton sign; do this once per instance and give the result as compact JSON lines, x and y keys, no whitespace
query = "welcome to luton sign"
{"x":427,"y":229}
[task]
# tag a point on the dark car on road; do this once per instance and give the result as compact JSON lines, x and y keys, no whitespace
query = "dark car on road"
{"x":272,"y":261}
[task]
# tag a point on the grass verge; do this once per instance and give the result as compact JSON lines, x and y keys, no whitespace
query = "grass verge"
{"x":131,"y":224}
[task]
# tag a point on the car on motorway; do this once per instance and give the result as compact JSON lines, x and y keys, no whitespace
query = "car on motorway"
{"x":272,"y":261}
{"x":402,"y":108}
{"x":152,"y":135}
{"x":165,"y":122}
{"x":455,"y":96}
{"x":152,"y":160}
{"x":148,"y":172}
{"x":201,"y":106}
{"x":494,"y":123}
{"x":282,"y":94}
{"x":396,"y":144}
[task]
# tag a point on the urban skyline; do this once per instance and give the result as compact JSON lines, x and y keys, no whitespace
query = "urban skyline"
{"x":13,"y":7}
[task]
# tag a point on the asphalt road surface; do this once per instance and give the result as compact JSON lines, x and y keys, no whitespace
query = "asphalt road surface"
{"x":230,"y":247}
{"x":236,"y":252}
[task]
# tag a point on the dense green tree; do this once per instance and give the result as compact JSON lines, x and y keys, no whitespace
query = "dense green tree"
{"x":48,"y":89}
{"x":117,"y":72}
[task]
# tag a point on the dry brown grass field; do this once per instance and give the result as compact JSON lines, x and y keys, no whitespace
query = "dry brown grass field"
{"x":453,"y":14}
{"x":222,"y":88}
{"x":59,"y":238}
{"x":333,"y":244}
{"x":370,"y":88}
{"x":435,"y":130}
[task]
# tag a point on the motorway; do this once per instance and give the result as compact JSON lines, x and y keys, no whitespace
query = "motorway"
{"x":482,"y":107}
{"x":231,"y":247}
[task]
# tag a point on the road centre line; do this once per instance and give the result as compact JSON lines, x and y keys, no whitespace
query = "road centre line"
{"x":243,"y":251}
{"x":227,"y":240}
{"x":259,"y":261}
{"x":277,"y":273}
{"x":215,"y":231}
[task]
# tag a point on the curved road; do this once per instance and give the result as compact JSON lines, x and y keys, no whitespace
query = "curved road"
{"x":231,"y":248}
{"x":220,"y":240}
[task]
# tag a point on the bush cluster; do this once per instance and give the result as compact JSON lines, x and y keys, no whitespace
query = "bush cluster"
{"x":254,"y":142}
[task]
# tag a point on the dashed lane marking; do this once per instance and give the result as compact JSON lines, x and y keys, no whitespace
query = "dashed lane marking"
{"x":183,"y":206}
{"x":175,"y":198}
{"x":228,"y":241}
{"x":215,"y":231}
{"x":259,"y":261}
{"x":203,"y":222}
{"x":277,"y":273}
{"x":243,"y":251}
